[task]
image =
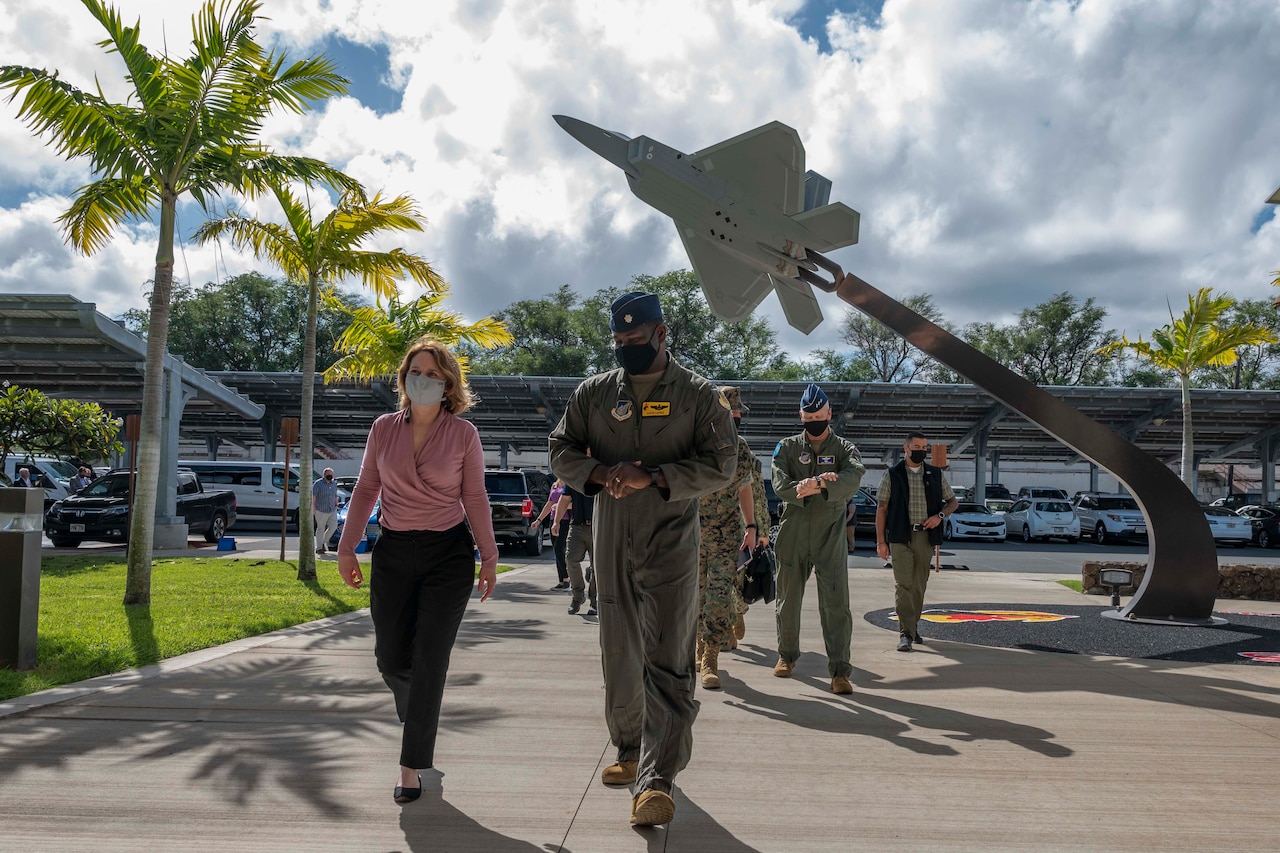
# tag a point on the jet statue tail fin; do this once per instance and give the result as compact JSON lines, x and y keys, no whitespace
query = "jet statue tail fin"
{"x":832,"y":226}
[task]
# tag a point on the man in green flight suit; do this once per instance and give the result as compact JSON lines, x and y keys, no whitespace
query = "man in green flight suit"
{"x":728,"y":523}
{"x":660,"y":437}
{"x":815,"y":474}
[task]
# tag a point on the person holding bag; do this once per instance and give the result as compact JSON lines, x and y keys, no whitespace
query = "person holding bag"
{"x":427,"y":464}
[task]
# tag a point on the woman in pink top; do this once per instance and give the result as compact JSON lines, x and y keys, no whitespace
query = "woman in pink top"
{"x":428,"y":465}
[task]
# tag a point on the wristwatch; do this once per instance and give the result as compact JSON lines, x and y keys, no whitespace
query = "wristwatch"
{"x":942,"y":515}
{"x":654,"y":471}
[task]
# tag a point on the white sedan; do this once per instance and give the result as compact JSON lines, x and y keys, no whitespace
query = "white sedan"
{"x":1042,"y":519}
{"x":1228,"y":527}
{"x":974,"y":521}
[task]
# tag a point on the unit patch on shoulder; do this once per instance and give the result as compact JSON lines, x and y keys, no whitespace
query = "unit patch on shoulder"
{"x":622,"y":410}
{"x":655,"y":410}
{"x":806,"y":457}
{"x":724,"y":401}
{"x":777,"y":448}
{"x":826,"y":460}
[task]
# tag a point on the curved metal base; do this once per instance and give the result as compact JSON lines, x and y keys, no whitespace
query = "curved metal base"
{"x":1120,"y":616}
{"x":1181,"y":581}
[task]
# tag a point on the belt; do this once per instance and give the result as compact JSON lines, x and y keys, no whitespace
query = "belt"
{"x":916,"y":528}
{"x":586,"y":523}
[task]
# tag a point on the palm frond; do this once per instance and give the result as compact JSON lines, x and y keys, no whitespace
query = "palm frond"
{"x":103,"y":205}
{"x":145,"y":71}
{"x":267,"y":241}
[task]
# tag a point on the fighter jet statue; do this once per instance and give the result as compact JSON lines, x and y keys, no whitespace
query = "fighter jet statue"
{"x":749,"y":215}
{"x":752,"y":220}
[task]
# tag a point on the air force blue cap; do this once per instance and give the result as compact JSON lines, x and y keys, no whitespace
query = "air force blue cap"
{"x":634,"y":309}
{"x":814,"y":399}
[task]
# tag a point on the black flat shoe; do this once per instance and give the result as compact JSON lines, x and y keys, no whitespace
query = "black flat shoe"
{"x":408,"y":795}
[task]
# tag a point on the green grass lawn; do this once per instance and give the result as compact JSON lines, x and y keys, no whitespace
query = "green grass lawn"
{"x":1070,"y":584}
{"x":196,"y":602}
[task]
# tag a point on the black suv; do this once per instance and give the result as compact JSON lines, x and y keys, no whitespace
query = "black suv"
{"x":516,"y":497}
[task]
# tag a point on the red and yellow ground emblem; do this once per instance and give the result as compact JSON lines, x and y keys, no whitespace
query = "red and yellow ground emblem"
{"x":1261,"y":657}
{"x":958,"y":616}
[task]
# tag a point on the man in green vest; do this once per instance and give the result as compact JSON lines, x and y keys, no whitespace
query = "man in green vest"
{"x":913,"y":500}
{"x":815,"y":473}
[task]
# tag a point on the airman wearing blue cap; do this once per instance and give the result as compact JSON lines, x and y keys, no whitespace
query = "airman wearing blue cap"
{"x":660,"y":437}
{"x":815,"y":473}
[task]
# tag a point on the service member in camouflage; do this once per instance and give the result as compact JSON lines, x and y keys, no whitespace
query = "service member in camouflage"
{"x":721,"y":517}
{"x":660,"y":438}
{"x":815,"y":473}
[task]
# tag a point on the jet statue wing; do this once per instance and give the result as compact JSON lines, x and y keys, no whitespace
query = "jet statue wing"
{"x":732,"y":286}
{"x":769,"y":160}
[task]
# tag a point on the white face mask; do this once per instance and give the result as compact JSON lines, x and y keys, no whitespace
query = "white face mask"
{"x":422,"y":390}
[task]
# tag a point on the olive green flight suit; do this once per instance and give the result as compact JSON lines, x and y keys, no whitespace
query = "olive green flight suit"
{"x":811,"y":538}
{"x":646,"y":550}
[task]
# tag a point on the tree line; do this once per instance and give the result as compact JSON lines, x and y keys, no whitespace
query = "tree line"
{"x":253,"y":322}
{"x":65,"y":429}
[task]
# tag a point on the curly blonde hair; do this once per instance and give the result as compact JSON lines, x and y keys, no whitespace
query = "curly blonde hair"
{"x":457,"y":393}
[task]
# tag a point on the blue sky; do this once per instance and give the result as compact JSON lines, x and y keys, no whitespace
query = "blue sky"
{"x":998,"y":151}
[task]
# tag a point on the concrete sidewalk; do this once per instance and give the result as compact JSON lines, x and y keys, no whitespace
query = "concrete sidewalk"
{"x":289,"y":742}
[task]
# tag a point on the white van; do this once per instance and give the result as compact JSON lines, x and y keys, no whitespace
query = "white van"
{"x":53,"y":475}
{"x":258,"y":486}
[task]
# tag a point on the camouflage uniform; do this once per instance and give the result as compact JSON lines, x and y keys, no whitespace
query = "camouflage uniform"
{"x":721,"y":523}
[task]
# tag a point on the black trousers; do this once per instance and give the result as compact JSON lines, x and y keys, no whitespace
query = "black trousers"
{"x":558,"y":543}
{"x":418,"y":590}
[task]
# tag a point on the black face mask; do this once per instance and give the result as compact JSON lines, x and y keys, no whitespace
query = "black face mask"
{"x":636,"y":358}
{"x":815,"y":428}
{"x":328,"y":476}
{"x":917,"y":456}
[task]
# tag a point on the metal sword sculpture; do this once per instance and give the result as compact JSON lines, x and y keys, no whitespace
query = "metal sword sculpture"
{"x":753,"y":221}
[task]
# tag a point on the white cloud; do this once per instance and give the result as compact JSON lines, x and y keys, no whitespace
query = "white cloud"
{"x":999,"y":151}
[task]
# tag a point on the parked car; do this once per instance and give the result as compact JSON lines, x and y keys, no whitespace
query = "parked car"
{"x":1110,"y":518}
{"x":962,"y":493}
{"x":52,"y":475}
{"x":100,"y":511}
{"x":1228,"y":527}
{"x":999,"y":506}
{"x":1041,"y":492}
{"x":996,"y":490}
{"x":372,"y":528}
{"x":1042,"y":519}
{"x":974,"y":521}
{"x":1265,"y":521}
{"x":864,"y":528}
{"x":515,"y":498}
{"x":1239,"y":499}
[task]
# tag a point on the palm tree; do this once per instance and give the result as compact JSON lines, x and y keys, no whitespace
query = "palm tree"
{"x":1199,"y":338}
{"x":319,"y":254}
{"x":189,"y":126}
{"x":378,"y":336}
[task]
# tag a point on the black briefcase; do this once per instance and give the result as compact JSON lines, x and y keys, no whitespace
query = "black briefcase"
{"x":759,"y":581}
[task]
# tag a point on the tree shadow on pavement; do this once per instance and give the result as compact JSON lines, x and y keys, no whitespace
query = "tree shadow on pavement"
{"x":238,"y":727}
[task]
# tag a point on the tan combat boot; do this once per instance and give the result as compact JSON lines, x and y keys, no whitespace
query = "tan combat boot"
{"x":710,"y":678}
{"x":620,"y":773}
{"x":783,"y":668}
{"x":652,"y":808}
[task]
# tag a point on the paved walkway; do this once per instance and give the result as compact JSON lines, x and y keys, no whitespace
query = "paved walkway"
{"x":288,"y":742}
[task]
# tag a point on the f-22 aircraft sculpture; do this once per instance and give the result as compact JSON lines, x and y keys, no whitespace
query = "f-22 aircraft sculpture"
{"x":754,"y":221}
